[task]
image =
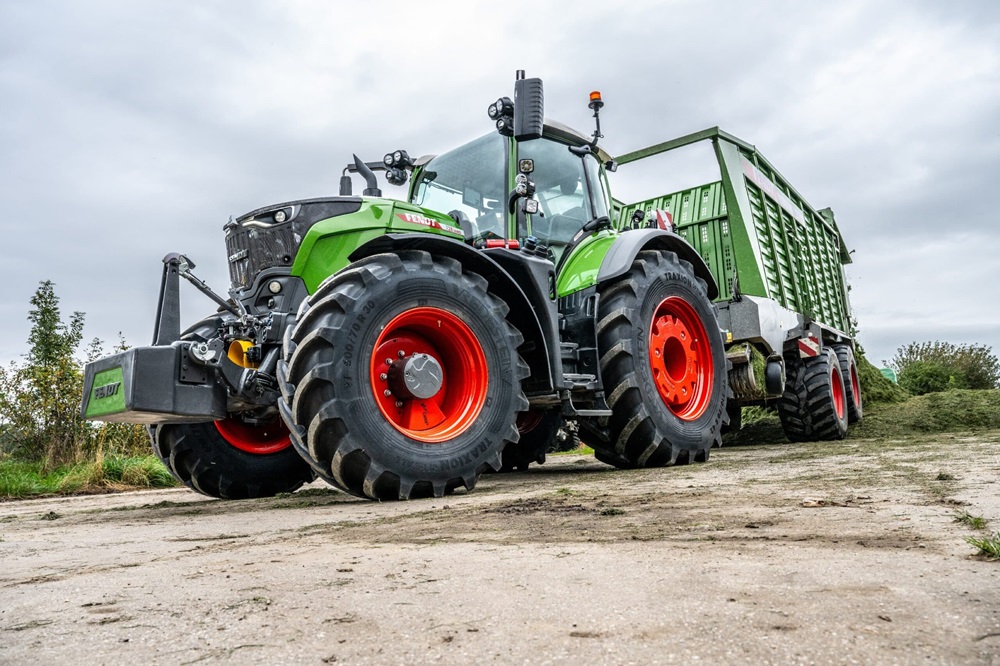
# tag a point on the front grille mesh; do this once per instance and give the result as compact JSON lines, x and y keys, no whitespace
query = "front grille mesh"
{"x":255,"y":247}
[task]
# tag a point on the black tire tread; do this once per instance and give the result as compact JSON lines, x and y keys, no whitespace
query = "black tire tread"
{"x":806,"y":409}
{"x":306,"y":379}
{"x":200,"y":458}
{"x":630,"y":438}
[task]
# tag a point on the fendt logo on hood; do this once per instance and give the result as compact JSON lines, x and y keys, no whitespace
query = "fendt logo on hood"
{"x":414,"y":218}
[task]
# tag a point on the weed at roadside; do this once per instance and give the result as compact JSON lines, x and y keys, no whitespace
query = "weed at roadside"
{"x":975,"y":522}
{"x":989,"y":546}
{"x":19,"y":479}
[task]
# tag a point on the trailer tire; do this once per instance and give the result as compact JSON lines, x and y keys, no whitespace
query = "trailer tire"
{"x":538,"y":436}
{"x":852,"y":382}
{"x":230,"y":459}
{"x":813,"y":406}
{"x":663,"y":366}
{"x":351,"y":412}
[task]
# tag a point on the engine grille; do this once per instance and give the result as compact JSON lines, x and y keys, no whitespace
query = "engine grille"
{"x":254,"y":248}
{"x":257,"y":241}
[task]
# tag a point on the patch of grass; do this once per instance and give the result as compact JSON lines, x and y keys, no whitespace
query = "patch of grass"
{"x":583,"y":449}
{"x":875,"y":388}
{"x":958,"y":410}
{"x":989,"y":546}
{"x":112,"y":473}
{"x":612,"y":511}
{"x":948,"y":411}
{"x":975,"y":522}
{"x":944,"y":476}
{"x":760,"y":426}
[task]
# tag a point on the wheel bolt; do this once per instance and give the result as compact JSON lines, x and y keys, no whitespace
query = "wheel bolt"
{"x":388,"y":361}
{"x":400,"y":353}
{"x":399,"y":403}
{"x":387,"y":393}
{"x":383,"y":376}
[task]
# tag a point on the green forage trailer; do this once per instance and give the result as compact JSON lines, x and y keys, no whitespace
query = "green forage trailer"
{"x":400,"y":348}
{"x":783,"y":298}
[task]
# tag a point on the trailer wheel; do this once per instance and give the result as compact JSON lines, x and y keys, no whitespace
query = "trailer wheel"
{"x":852,"y":382}
{"x":538,"y":435}
{"x":231,"y":459}
{"x":401,"y":378}
{"x":663,"y":364}
{"x":814,"y":404}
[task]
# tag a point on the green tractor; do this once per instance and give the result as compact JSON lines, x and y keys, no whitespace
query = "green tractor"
{"x":399,"y":349}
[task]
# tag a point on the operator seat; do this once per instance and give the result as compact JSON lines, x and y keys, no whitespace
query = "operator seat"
{"x":563,"y":227}
{"x":469,"y":228}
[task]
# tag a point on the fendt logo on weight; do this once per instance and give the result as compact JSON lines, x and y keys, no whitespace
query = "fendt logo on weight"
{"x":107,"y":390}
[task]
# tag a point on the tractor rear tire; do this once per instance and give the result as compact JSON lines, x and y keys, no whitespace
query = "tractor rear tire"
{"x":351,"y":411}
{"x":663,"y":364}
{"x":230,"y":459}
{"x":538,"y":436}
{"x":852,"y":382}
{"x":814,"y":405}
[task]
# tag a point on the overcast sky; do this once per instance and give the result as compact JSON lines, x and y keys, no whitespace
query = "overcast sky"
{"x":130,"y":129}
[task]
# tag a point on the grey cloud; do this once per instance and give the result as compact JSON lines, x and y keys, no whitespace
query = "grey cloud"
{"x":132,"y":129}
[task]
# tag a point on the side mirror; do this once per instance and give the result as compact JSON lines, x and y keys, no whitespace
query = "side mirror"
{"x":529,"y":108}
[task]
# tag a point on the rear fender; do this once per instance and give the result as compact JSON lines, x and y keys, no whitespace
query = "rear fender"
{"x":629,"y":244}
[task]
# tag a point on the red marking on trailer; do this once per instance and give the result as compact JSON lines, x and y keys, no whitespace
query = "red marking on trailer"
{"x":808,"y":347}
{"x":664,"y":220}
{"x":415,"y":218}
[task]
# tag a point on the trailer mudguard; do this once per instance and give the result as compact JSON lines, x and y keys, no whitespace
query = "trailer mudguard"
{"x":537,"y":321}
{"x":629,"y":244}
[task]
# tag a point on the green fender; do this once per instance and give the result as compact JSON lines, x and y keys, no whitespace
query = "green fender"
{"x":606,"y":256}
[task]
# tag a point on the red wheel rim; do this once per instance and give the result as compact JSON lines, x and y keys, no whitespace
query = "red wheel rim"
{"x":454,"y":347}
{"x":839,"y":402}
{"x":680,"y":356}
{"x":260,"y":440}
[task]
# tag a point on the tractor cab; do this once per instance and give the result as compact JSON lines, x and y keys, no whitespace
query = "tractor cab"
{"x":560,"y":175}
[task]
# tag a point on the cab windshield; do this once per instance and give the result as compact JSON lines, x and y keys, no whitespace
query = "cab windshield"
{"x":468,"y":183}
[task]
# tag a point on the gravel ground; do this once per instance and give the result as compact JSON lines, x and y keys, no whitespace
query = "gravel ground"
{"x":809,"y":553}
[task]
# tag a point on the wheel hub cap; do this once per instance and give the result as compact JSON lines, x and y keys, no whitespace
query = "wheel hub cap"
{"x":416,"y":376}
{"x":429,"y":375}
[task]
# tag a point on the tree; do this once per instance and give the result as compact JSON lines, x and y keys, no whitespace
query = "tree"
{"x":926,"y":367}
{"x":40,"y":398}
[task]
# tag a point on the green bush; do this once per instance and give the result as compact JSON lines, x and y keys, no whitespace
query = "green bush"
{"x":929,"y":377}
{"x":929,"y":367}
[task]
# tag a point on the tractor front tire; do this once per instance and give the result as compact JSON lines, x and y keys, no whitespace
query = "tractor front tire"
{"x":231,"y":459}
{"x":538,"y":435}
{"x":663,"y":365}
{"x":814,"y":404}
{"x":401,"y":378}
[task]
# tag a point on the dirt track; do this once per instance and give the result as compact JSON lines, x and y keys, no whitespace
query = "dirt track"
{"x":829,"y":553}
